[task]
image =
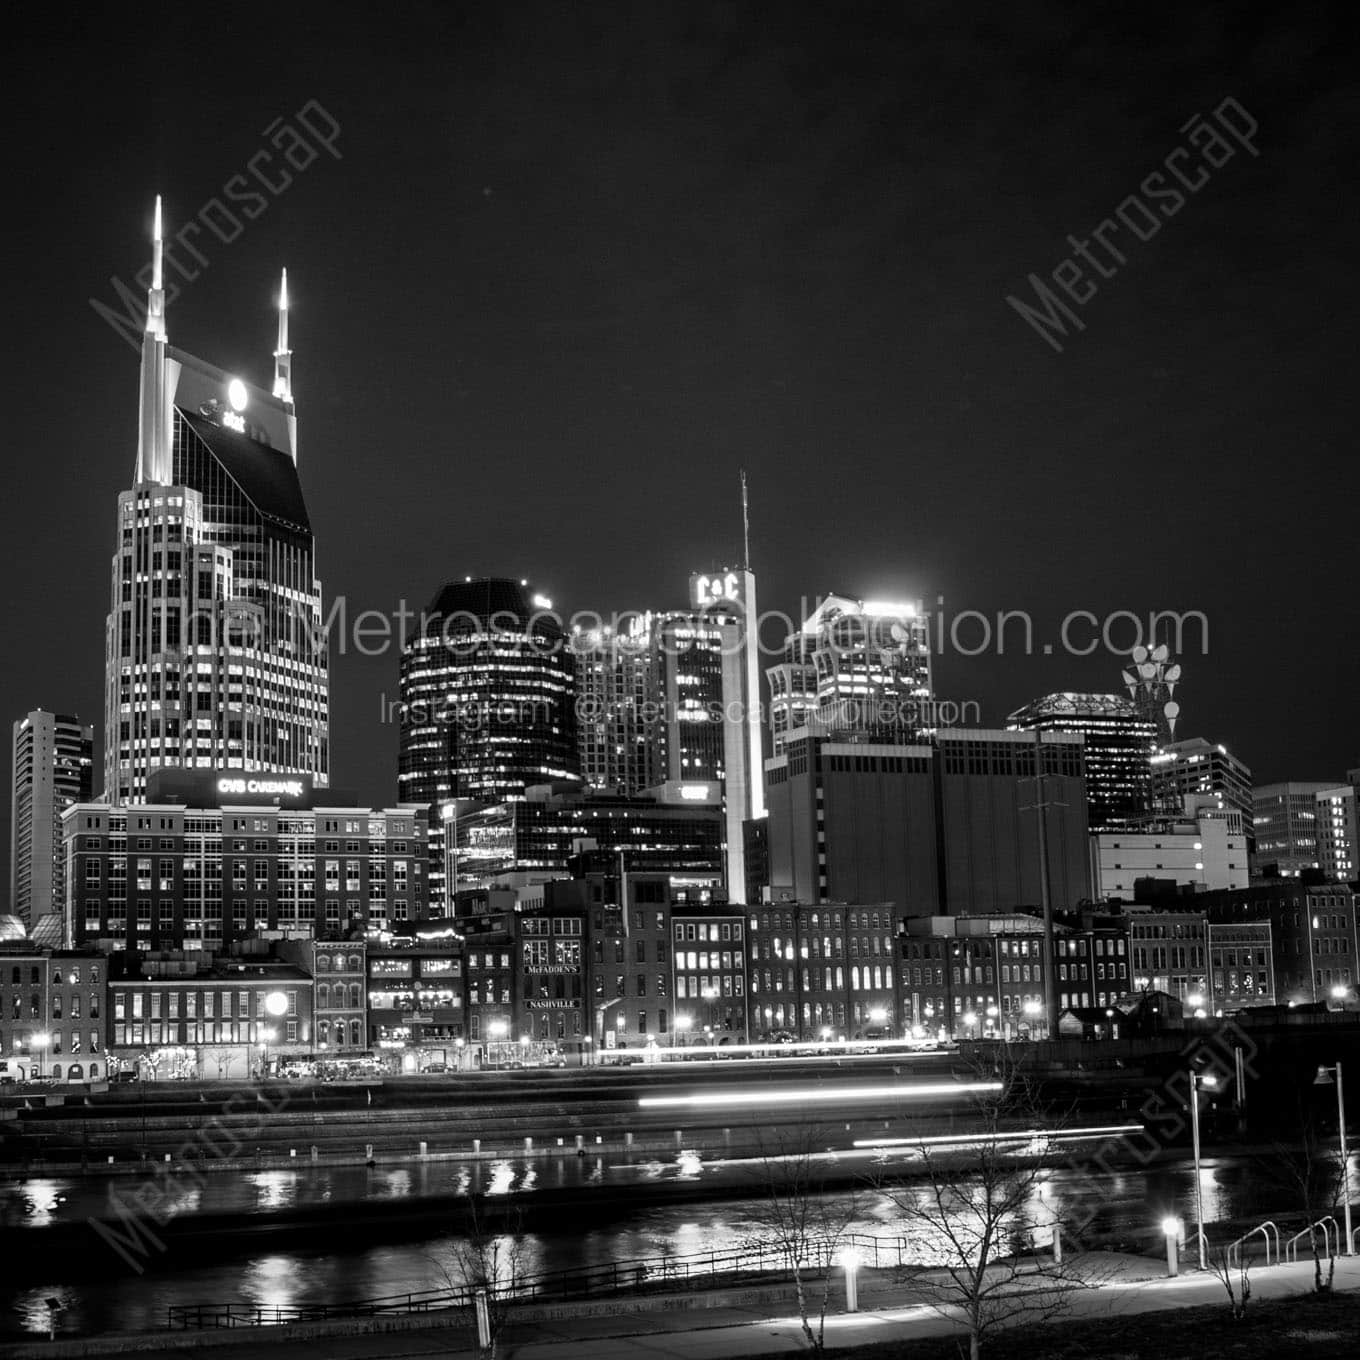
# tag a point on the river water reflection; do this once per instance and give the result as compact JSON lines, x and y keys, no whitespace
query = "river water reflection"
{"x":1124,"y":1202}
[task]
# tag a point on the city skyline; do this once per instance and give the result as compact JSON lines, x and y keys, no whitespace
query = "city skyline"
{"x":469,"y":380}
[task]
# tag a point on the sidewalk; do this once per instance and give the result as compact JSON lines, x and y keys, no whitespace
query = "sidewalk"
{"x":673,"y":1329}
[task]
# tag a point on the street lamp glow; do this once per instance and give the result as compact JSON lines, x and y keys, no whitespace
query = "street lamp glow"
{"x":1339,"y":992}
{"x":969,"y":1018}
{"x":276,"y":1003}
{"x":683,"y":1022}
{"x":878,"y":1015}
{"x":1171,"y":1226}
{"x":498,"y":1029}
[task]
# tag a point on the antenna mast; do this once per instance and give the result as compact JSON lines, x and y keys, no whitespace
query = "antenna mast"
{"x":745,"y":526}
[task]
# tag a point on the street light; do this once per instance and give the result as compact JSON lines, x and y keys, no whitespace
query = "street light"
{"x":1172,"y":1228}
{"x":1324,"y":1078}
{"x":39,"y":1042}
{"x":683,"y":1023}
{"x":850,"y":1262}
{"x":1198,"y":1079}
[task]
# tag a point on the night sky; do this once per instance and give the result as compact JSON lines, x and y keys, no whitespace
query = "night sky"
{"x":577,"y":264}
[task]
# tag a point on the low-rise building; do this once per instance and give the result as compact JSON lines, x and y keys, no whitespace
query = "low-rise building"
{"x":187,"y":1014}
{"x":415,"y":996}
{"x":822,"y":970}
{"x":1204,"y":850}
{"x":53,"y":1011}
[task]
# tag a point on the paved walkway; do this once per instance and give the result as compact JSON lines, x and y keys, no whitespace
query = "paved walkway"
{"x":1130,"y":1285}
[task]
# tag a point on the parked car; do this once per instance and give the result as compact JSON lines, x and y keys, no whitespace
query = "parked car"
{"x":435,"y":1067}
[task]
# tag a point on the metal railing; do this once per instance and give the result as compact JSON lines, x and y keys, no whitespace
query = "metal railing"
{"x":702,"y":1270}
{"x":1291,"y":1247}
{"x":1266,"y":1230}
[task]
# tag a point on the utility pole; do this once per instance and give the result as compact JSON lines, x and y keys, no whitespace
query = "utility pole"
{"x":1040,"y":807}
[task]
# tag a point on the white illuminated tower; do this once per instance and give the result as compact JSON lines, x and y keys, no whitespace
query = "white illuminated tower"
{"x":214,"y":654}
{"x":854,"y":665}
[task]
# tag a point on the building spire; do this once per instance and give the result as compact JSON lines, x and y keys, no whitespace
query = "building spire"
{"x":283,"y":356}
{"x":745,"y":526}
{"x":155,"y":297}
{"x":153,"y":427}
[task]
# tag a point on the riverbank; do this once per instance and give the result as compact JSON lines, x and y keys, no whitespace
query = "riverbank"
{"x":1128,"y":1312}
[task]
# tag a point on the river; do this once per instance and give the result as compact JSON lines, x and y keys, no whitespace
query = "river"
{"x":1123,"y":1203}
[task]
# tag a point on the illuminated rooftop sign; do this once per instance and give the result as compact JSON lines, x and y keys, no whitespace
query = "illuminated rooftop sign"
{"x":289,"y":788}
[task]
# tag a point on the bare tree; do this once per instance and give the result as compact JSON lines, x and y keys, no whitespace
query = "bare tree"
{"x":972,"y":1200}
{"x":802,"y":1221}
{"x":1311,"y":1170}
{"x":1234,"y":1276}
{"x":486,"y":1262}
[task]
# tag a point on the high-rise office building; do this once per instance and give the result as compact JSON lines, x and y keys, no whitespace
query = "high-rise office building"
{"x":933,"y":829}
{"x":615,"y":694}
{"x":1119,"y":745}
{"x":1338,"y":834}
{"x":854,"y":665}
{"x":53,"y":767}
{"x":214,"y":652}
{"x":1200,"y":769}
{"x":674,"y":697}
{"x":487,"y":697}
{"x":1285,"y":819}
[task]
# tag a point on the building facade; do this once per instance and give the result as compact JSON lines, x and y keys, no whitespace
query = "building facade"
{"x":176,"y":1014}
{"x":822,"y":970}
{"x":416,"y":997}
{"x":215,"y":656}
{"x":216,"y":858}
{"x":1284,"y":817}
{"x":1205,"y":853}
{"x":1313,"y":935}
{"x":1200,"y":769}
{"x":854,"y":666}
{"x":53,"y":1014}
{"x":676,"y":829}
{"x":1338,"y":833}
{"x":53,"y":767}
{"x":947,"y":828}
{"x":1119,"y":742}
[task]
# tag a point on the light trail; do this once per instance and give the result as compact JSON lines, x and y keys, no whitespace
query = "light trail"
{"x":819,"y":1095}
{"x":1051,"y":1135}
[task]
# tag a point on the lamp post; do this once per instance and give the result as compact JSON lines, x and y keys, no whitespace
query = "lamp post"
{"x":1324,"y":1078}
{"x":1172,"y":1228}
{"x":1198,"y":1079}
{"x":850,"y":1262}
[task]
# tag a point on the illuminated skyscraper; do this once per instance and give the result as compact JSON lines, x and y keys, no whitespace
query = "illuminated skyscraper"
{"x":1199,"y":768}
{"x":854,"y":665}
{"x":214,"y":652}
{"x":673,"y":697}
{"x":53,"y":768}
{"x":1120,"y":742}
{"x":487,"y":697}
{"x":615,"y":697}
